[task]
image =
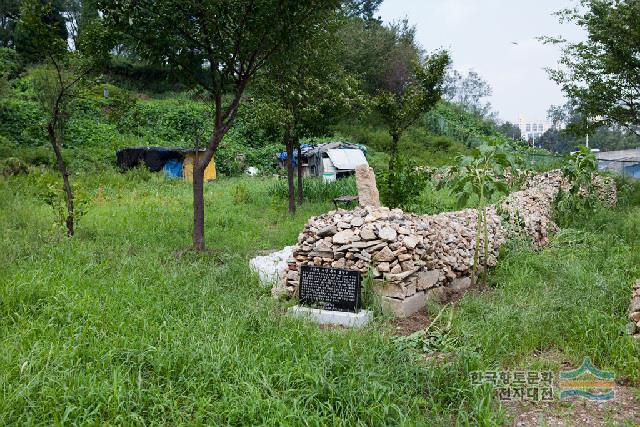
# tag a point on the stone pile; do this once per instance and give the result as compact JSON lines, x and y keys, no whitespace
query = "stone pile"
{"x":634,"y":311}
{"x":415,"y":257}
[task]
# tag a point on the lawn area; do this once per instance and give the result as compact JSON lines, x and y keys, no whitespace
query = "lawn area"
{"x":119,"y":326}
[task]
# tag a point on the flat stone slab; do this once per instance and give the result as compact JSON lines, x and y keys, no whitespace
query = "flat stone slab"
{"x":326,"y":317}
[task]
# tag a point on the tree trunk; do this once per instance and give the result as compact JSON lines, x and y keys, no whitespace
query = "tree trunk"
{"x":300,"y":193}
{"x":198,"y":204}
{"x":395,"y":140}
{"x":62,"y":167}
{"x":289,"y":144}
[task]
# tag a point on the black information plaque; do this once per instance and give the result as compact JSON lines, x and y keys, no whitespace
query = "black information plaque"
{"x":334,"y":289}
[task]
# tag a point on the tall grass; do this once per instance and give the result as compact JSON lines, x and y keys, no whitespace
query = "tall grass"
{"x":113,"y":326}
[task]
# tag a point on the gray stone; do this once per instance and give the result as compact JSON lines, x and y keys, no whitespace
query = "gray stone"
{"x":343,"y":225}
{"x":439,"y":295}
{"x":368,"y":194}
{"x":635,"y":305}
{"x":461,"y":284}
{"x":399,"y":276}
{"x":427,"y":279}
{"x":368,"y":233}
{"x":406,"y":307}
{"x":327,"y":231}
{"x":326,"y":317}
{"x":410,"y":242}
{"x":388,"y":234}
{"x":391,"y":290}
{"x":357,"y":221}
{"x":343,"y":237}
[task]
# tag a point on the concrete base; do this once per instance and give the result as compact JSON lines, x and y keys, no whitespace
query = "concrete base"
{"x":326,"y":317}
{"x":406,"y":307}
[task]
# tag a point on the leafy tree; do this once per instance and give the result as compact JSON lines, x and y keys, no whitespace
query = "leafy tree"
{"x":40,"y":23}
{"x":306,"y":90}
{"x":601,"y":75}
{"x":56,"y":83}
{"x":510,"y":130}
{"x":217,"y":47}
{"x":364,"y":9}
{"x":372,"y":50}
{"x":481,"y":175}
{"x":468,"y":91}
{"x":410,"y":90}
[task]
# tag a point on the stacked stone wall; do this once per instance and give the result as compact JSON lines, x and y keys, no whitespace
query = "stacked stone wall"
{"x":415,"y":257}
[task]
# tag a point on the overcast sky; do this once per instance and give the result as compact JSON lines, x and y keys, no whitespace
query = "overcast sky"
{"x":479,"y":36}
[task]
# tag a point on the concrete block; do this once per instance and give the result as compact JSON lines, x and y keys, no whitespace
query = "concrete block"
{"x":326,"y":317}
{"x":406,"y":307}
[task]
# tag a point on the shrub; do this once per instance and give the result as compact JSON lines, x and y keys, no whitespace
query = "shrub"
{"x":580,"y":199}
{"x":12,"y":166}
{"x":401,"y":187}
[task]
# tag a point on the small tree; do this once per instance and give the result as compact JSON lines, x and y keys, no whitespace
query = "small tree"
{"x":56,"y":83}
{"x":579,"y":169}
{"x":306,"y":90}
{"x":410,"y":92}
{"x":482,"y":175}
{"x":216,"y":46}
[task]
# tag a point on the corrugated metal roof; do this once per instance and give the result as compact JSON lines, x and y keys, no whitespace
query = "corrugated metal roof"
{"x":620,"y":155}
{"x":347,"y":159}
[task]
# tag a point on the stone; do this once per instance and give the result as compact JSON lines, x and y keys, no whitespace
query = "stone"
{"x":396,"y":269}
{"x":343,"y":237}
{"x":410,"y":242}
{"x":398,"y":277}
{"x":343,"y":225}
{"x":391,"y":290}
{"x":404,"y":257}
{"x":327,"y":231}
{"x":368,"y":194}
{"x":427,"y":279}
{"x":461,"y":284}
{"x":385,"y":255}
{"x":404,"y":308}
{"x":635,"y":305}
{"x":438,"y":295}
{"x":357,"y":222}
{"x":383,"y":267}
{"x":388,"y":234}
{"x":338,"y":318}
{"x":635,"y":317}
{"x":408,"y":266}
{"x":368,"y":233}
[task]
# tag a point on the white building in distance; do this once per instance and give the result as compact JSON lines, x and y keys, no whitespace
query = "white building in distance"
{"x":533,"y":129}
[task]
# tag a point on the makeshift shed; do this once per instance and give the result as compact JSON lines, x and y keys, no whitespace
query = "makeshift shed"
{"x":175,"y":162}
{"x":331,"y":160}
{"x":624,"y":162}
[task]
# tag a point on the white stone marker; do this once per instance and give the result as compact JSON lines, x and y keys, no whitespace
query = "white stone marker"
{"x":327,"y":317}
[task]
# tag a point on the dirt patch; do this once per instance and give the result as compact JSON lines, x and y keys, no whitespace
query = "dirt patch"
{"x":414,"y":323}
{"x":624,"y":409}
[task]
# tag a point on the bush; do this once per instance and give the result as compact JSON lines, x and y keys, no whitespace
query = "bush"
{"x":12,"y":166}
{"x":401,"y":187}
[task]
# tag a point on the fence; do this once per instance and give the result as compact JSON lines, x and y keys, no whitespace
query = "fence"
{"x":625,"y":168}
